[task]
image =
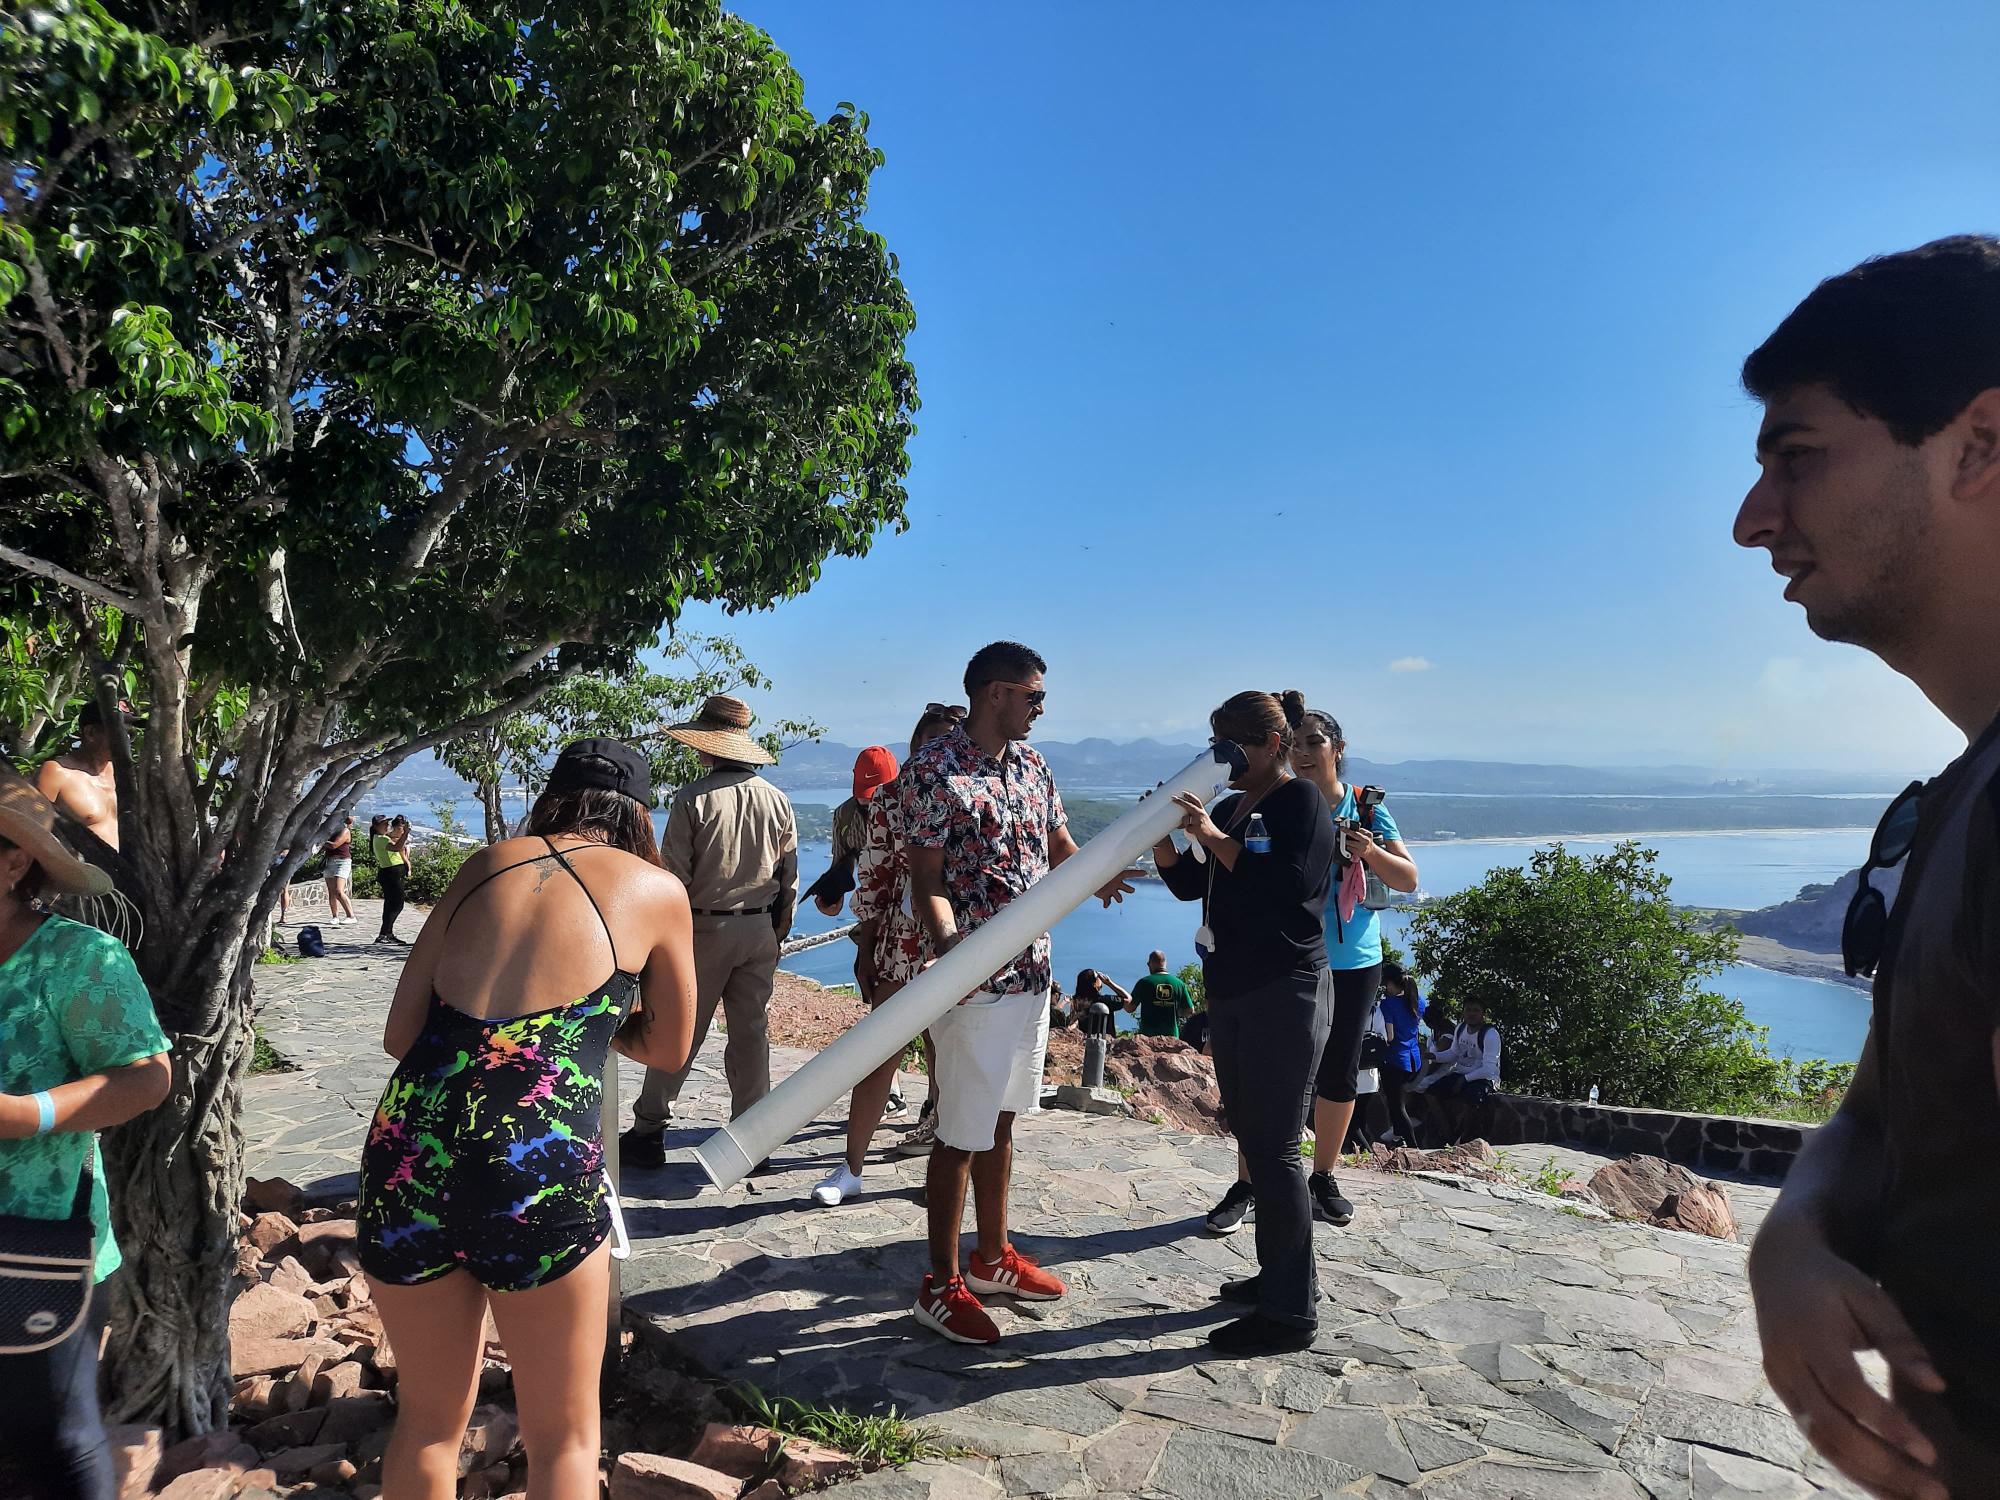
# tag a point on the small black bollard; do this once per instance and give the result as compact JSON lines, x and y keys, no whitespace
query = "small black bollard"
{"x":1096,"y":1044}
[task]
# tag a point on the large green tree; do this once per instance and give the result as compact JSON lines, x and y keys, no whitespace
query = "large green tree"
{"x":385,"y":365}
{"x":1595,"y":978}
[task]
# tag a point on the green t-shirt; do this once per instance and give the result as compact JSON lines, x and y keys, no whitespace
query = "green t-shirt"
{"x":1162,"y":1000}
{"x":385,"y":853}
{"x":71,"y":1004}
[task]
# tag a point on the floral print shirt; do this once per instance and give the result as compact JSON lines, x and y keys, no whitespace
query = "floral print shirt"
{"x":71,"y":1004}
{"x":993,"y":820}
{"x":882,"y":891}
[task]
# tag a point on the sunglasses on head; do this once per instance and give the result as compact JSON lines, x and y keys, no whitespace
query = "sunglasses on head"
{"x":944,"y":711}
{"x":1865,"y":930}
{"x":1036,"y":696}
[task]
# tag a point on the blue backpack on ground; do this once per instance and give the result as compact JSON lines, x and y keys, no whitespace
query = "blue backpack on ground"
{"x":311,"y":943}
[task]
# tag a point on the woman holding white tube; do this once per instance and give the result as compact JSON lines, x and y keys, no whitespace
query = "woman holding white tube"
{"x":1263,"y":888}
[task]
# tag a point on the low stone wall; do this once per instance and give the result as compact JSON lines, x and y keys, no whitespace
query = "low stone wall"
{"x":1706,"y":1143}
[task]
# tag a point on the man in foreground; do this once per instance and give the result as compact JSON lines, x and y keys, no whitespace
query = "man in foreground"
{"x":983,"y":823}
{"x":1160,"y":999}
{"x":81,"y":782}
{"x":732,"y":839}
{"x":1880,"y":504}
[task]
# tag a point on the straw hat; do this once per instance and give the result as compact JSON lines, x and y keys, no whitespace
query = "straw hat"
{"x":28,"y":822}
{"x":722,"y":729}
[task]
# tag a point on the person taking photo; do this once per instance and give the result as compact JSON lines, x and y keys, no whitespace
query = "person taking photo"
{"x":1263,"y":889}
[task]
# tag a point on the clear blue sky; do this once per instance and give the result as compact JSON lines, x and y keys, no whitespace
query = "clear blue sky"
{"x":1277,"y":348}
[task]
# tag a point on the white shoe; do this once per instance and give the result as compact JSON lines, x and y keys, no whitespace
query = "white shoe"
{"x":842,"y":1184}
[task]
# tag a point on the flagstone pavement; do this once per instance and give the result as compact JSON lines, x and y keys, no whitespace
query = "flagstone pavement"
{"x":1473,"y":1347}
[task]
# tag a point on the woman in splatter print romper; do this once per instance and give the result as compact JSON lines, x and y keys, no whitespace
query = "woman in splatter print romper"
{"x":482,"y":1182}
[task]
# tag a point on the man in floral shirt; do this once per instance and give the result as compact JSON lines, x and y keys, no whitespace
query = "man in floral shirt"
{"x":983,"y":822}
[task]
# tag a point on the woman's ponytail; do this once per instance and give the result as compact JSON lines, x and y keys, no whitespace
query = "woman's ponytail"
{"x":1293,"y":702}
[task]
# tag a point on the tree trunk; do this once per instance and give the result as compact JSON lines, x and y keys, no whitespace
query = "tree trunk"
{"x":496,"y":815}
{"x":177,"y":1175}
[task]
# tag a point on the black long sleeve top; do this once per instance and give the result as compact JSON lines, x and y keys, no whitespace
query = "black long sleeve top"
{"x":1268,"y":914}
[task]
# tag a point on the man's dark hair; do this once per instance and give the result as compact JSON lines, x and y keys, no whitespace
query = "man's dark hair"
{"x":1908,"y":338}
{"x":1003,"y":661}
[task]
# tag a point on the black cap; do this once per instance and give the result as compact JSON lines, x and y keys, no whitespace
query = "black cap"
{"x":602,"y":765}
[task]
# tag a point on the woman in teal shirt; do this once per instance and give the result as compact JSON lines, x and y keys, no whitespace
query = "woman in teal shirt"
{"x":80,"y":1050}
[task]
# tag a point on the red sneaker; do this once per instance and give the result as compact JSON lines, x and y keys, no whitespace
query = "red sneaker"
{"x":1015,"y":1275}
{"x":954,"y":1312}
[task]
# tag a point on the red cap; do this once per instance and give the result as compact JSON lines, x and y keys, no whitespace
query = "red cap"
{"x":873,"y":767}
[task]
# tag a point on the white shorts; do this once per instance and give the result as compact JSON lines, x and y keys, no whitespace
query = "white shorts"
{"x":339,"y":869}
{"x":990,"y":1052}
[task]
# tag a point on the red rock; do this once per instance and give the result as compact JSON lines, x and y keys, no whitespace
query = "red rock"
{"x":354,"y":1419}
{"x":294,"y":1429}
{"x":318,"y":1244}
{"x":255,"y":1398}
{"x":1659,"y":1192}
{"x":742,"y":1451}
{"x":220,"y":1449}
{"x":487,"y":1483}
{"x":489,"y":1437}
{"x":648,"y":1476}
{"x":290,"y":1276}
{"x":272,"y":1195}
{"x":806,"y":1465}
{"x":269,"y":1230}
{"x":383,"y":1359}
{"x":344,"y":1379}
{"x":257,"y":1485}
{"x":293,"y":1463}
{"x":770,"y":1489}
{"x":266,"y":1312}
{"x":319,"y":1216}
{"x":339,"y":1471}
{"x":1701,"y":1209}
{"x":135,"y":1458}
{"x":270,"y":1356}
{"x":203,"y":1484}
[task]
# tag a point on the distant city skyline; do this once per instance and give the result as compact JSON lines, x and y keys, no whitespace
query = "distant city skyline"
{"x":1387,"y":354}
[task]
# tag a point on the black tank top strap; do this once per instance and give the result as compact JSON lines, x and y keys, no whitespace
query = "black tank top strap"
{"x":562,"y":860}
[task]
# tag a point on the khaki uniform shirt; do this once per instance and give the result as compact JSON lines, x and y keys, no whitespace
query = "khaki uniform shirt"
{"x":733,"y":841}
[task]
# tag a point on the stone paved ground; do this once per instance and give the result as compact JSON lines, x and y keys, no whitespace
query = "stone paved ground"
{"x":1472,"y":1346}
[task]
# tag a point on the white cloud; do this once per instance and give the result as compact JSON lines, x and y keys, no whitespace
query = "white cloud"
{"x":1410,"y":664}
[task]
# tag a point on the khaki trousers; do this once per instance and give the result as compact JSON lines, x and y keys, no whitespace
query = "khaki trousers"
{"x":734,"y":961}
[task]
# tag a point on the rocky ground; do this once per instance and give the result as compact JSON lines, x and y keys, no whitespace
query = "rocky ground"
{"x":1478,"y":1338}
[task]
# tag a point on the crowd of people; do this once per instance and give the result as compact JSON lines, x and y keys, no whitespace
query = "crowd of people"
{"x":483,"y":1182}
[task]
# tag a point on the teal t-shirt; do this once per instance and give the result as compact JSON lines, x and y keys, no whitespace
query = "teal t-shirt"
{"x":1161,"y":1000}
{"x":71,"y":1004}
{"x":1357,"y":942}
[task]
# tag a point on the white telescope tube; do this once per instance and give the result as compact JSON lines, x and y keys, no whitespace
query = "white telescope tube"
{"x":728,"y":1155}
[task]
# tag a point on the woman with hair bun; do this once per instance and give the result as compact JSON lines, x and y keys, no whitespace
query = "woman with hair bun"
{"x":1263,"y":887}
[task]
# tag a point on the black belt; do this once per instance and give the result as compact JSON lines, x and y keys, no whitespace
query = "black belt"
{"x":741,"y":911}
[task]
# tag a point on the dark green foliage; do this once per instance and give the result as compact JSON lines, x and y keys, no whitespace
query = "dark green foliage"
{"x":1595,"y":978}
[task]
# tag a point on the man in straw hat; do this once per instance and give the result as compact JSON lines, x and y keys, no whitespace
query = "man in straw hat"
{"x":732,"y":839}
{"x":80,"y":1050}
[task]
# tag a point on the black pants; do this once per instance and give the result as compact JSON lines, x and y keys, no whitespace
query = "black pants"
{"x":1393,"y":1081}
{"x":49,"y":1422}
{"x":392,"y":877}
{"x":1265,"y":1042}
{"x":1354,"y":992}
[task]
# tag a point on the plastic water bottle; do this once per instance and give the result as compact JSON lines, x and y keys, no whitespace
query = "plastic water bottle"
{"x":1593,"y":1093}
{"x":1257,"y":838}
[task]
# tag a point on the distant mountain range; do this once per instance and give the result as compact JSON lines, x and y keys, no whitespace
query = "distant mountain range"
{"x":1109,"y":763}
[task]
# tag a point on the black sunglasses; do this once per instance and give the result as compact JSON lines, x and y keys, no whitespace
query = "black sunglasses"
{"x":944,"y":711}
{"x":1864,"y":933}
{"x":1036,"y":696}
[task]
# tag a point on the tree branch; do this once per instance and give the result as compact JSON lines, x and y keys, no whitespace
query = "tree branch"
{"x":89,"y":588}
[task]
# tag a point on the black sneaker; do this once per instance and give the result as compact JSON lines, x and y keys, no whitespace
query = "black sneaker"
{"x":1256,"y":1334}
{"x":1328,"y":1205}
{"x":1245,"y":1290}
{"x":642,"y":1150}
{"x":1227,"y":1216}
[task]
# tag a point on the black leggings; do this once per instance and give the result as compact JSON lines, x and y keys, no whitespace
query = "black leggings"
{"x":1354,"y":993}
{"x":50,"y":1425}
{"x":392,"y":877}
{"x":1393,"y":1081}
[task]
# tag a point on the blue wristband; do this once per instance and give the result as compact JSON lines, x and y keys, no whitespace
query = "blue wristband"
{"x":45,"y":1103}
